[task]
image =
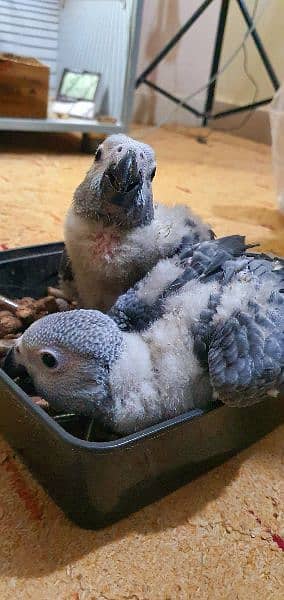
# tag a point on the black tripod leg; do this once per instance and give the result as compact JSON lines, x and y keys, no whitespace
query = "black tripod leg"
{"x":173,"y":42}
{"x":216,"y":59}
{"x":267,"y":64}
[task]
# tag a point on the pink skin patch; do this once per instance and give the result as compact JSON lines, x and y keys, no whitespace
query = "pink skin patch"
{"x":277,"y":539}
{"x":4,"y":247}
{"x":26,"y":495}
{"x":104,"y":245}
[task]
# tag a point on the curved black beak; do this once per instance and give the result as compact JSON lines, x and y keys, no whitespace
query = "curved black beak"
{"x":11,"y":367}
{"x":124,"y":179}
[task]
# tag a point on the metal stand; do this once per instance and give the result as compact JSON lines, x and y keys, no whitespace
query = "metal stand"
{"x":207,"y":114}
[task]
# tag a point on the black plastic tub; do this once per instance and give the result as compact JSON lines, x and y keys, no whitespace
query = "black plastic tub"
{"x":97,"y":483}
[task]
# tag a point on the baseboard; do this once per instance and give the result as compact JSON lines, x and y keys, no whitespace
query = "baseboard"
{"x":256,"y":128}
{"x":149,"y":109}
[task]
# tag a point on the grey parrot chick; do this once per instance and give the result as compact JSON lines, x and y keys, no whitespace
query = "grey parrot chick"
{"x":80,"y":361}
{"x":220,"y":335}
{"x":113,"y":233}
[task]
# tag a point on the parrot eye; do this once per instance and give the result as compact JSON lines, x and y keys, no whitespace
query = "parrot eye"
{"x":48,"y":360}
{"x":153,"y":174}
{"x":98,"y":154}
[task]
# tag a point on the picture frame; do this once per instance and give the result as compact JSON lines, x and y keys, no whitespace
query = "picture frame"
{"x":76,"y":86}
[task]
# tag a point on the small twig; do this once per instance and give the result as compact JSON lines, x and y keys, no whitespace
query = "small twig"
{"x":56,"y":293}
{"x":40,"y":402}
{"x":9,"y":304}
{"x":7,"y":343}
{"x":89,"y":431}
{"x":5,"y":346}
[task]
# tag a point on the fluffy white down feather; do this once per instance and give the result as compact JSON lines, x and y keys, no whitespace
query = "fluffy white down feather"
{"x":158,"y":375}
{"x":102,"y":277}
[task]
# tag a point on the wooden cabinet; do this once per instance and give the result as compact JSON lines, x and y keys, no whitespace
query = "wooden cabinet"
{"x":23,"y":87}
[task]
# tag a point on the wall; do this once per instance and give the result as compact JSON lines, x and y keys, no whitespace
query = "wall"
{"x":234,"y":86}
{"x":187,"y":67}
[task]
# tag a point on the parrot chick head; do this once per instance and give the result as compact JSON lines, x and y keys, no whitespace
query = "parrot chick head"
{"x":69,"y":356}
{"x":118,"y":186}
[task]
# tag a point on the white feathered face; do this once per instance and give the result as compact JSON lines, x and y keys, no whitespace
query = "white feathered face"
{"x":68,"y":356}
{"x":118,"y":187}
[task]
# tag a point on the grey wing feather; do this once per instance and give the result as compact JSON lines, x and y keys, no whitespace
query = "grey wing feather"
{"x":232,"y":245}
{"x":132,"y":314}
{"x":246,"y":357}
{"x":208,"y":258}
